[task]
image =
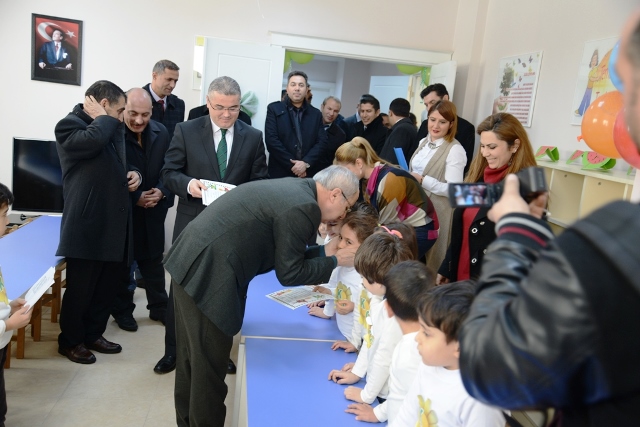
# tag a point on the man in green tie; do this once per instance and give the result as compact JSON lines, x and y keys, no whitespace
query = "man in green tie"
{"x":217,"y":147}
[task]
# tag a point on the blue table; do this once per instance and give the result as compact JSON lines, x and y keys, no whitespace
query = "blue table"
{"x":27,"y":253}
{"x":266,"y":318}
{"x":287,"y":384}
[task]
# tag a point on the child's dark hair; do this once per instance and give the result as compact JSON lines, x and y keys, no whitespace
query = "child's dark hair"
{"x":361,"y":222}
{"x":406,"y":283}
{"x":446,"y":306}
{"x":408,"y":234}
{"x":378,"y":253}
{"x":6,"y":196}
{"x":364,"y":207}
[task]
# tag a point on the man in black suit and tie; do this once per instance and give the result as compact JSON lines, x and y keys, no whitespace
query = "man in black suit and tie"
{"x":255,"y":228}
{"x":370,"y":126}
{"x":217,"y":147}
{"x":294,"y":134}
{"x":55,"y":54}
{"x":330,"y":110}
{"x":168,"y":109}
{"x":146,"y":143}
{"x":466,"y":131}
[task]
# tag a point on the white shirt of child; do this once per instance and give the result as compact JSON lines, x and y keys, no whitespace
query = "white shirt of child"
{"x":405,"y":362}
{"x":438,"y":396}
{"x":345,"y":284}
{"x":374,"y":358}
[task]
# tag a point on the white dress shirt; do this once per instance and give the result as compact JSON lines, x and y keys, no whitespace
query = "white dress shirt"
{"x":454,"y":171}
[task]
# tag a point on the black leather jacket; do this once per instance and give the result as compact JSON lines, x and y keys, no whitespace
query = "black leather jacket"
{"x":556,"y":323}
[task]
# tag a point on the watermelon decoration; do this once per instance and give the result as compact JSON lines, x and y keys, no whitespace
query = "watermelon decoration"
{"x":550,"y":151}
{"x":575,"y":155}
{"x":593,"y":160}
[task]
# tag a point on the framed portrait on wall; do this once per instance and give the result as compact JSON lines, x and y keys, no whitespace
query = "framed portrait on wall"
{"x":56,"y":49}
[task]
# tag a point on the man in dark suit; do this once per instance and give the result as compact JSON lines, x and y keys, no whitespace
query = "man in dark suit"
{"x":146,"y":143}
{"x":193,"y":155}
{"x":95,"y":233}
{"x":466,"y":133}
{"x":294,"y":134}
{"x":330,"y":110}
{"x":250,"y":230}
{"x":370,"y":126}
{"x":55,"y":54}
{"x":404,"y":133}
{"x":168,"y":109}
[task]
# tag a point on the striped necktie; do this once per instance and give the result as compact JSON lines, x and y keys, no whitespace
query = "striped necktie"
{"x":221,"y":154}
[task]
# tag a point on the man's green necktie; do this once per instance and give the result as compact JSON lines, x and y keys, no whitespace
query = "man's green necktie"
{"x":221,"y":154}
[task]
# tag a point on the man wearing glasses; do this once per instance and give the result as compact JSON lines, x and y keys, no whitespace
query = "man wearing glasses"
{"x":217,"y":147}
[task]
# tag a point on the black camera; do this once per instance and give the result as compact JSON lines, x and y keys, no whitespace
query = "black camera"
{"x":480,"y":194}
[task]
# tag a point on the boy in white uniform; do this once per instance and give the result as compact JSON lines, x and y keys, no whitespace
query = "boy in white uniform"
{"x":406,"y":283}
{"x":438,"y":397}
{"x":375,"y":257}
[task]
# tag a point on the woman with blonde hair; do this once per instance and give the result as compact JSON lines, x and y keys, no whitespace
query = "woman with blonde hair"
{"x":392,"y":192}
{"x":504,"y":149}
{"x":439,"y":160}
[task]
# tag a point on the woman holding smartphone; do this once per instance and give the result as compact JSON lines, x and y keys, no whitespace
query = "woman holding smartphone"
{"x":439,"y":160}
{"x":504,"y":149}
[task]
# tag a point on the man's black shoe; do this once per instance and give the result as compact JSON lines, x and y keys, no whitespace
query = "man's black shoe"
{"x":126,"y":322}
{"x":231,"y":367}
{"x":165,"y":365}
{"x":158,"y":316}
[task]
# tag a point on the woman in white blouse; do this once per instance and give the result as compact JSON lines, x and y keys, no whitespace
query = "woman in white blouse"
{"x":439,"y":160}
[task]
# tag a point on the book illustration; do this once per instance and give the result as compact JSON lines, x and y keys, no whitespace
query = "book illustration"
{"x":298,"y":297}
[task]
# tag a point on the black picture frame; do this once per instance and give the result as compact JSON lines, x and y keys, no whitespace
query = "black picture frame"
{"x":61,"y":64}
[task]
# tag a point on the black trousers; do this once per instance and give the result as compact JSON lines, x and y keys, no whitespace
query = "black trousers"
{"x":170,"y":326}
{"x":153,"y":274}
{"x":87,"y":302}
{"x":201,"y":365}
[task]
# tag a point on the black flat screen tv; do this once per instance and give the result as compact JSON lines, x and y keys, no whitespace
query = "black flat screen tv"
{"x":37,"y":176}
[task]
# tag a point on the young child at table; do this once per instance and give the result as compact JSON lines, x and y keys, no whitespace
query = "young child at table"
{"x":14,"y":314}
{"x":375,"y":257}
{"x":345,"y":283}
{"x":438,"y":395}
{"x":406,"y":283}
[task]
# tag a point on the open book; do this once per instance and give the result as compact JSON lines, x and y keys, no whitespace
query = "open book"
{"x":298,"y":296}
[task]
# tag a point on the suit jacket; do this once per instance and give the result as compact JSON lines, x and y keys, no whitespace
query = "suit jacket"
{"x":403,"y":135}
{"x":250,"y":230}
{"x":466,"y":136}
{"x":173,"y":113}
{"x":203,"y":110}
{"x":335,"y":138}
{"x":375,"y":133}
{"x":192,"y":154}
{"x":282,"y":141}
{"x":148,"y":223}
{"x":347,"y":124}
{"x":96,"y":220}
{"x":47,"y":55}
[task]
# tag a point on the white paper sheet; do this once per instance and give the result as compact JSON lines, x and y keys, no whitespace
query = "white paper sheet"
{"x":214,"y":190}
{"x":39,"y":288}
{"x":297,"y":297}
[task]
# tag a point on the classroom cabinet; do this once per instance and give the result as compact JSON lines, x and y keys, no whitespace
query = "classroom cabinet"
{"x":575,"y":193}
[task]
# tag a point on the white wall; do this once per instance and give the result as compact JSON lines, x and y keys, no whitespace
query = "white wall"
{"x":560,"y":29}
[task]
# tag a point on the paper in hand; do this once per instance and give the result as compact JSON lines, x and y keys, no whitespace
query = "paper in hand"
{"x":214,"y":190}
{"x":39,"y":288}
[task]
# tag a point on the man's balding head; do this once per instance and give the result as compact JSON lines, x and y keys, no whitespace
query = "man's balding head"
{"x":628,"y":68}
{"x":137,"y":111}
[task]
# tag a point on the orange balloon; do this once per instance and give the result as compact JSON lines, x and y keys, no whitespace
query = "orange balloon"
{"x":625,"y":145}
{"x":598,"y":122}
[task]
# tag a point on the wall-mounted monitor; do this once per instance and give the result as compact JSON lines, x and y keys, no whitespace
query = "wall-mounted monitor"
{"x":37,"y":176}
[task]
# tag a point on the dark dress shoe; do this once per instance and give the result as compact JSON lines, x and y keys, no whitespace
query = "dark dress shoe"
{"x":101,"y":345}
{"x":126,"y":322}
{"x":165,"y":365}
{"x":231,"y":367}
{"x":158,"y":316}
{"x":78,"y":354}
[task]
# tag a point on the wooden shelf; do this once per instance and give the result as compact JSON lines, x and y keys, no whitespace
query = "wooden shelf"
{"x":575,"y":193}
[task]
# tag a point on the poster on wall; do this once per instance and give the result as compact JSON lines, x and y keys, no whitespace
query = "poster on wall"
{"x":517,"y":85}
{"x":593,"y":76}
{"x":56,"y":49}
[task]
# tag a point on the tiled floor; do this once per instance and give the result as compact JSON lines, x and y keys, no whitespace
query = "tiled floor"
{"x":46,"y":389}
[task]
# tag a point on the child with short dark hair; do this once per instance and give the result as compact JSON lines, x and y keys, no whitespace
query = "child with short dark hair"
{"x":14,"y":314}
{"x":406,"y":283}
{"x":438,"y":395}
{"x":375,"y":257}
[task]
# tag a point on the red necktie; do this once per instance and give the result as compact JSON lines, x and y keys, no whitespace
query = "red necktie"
{"x":161,"y":103}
